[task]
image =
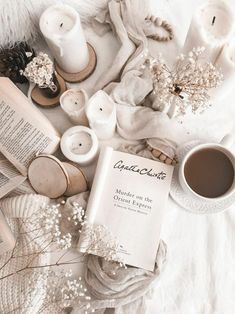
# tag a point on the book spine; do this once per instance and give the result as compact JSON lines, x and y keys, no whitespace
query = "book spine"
{"x":97,"y":191}
{"x":98,"y":183}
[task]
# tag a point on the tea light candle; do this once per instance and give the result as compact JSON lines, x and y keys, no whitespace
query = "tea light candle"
{"x":226,"y":62}
{"x":73,"y":104}
{"x":79,"y":144}
{"x":101,"y":114}
{"x":211,"y":27}
{"x":61,"y":26}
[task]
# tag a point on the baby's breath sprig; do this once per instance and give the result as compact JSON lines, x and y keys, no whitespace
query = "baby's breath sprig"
{"x":40,"y":71}
{"x":187,"y":85}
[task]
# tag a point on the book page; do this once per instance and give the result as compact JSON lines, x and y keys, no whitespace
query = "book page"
{"x":10,"y":178}
{"x":132,"y":205}
{"x":24,"y":131}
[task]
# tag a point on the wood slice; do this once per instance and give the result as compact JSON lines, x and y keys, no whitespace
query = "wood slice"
{"x":46,"y":102}
{"x":82,"y":75}
{"x":77,"y":180}
{"x":48,"y":176}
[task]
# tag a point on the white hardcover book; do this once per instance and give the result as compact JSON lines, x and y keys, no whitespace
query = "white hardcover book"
{"x":128,"y":197}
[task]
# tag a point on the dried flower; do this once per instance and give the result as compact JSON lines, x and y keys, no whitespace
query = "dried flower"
{"x":187,"y":85}
{"x":40,"y":71}
{"x":99,"y":240}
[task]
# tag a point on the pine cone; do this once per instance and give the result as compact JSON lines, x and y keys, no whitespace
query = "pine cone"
{"x":13,"y":60}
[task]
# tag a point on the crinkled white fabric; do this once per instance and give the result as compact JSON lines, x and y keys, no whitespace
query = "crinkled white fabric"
{"x":126,"y":290}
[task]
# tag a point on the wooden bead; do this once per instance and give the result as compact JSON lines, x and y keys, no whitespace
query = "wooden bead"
{"x":162,"y":157}
{"x":168,"y":161}
{"x":156,"y":153}
{"x":149,"y":148}
{"x":174,"y":162}
{"x":157,"y":21}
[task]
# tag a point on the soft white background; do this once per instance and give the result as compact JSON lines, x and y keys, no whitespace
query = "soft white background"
{"x":199,"y":277}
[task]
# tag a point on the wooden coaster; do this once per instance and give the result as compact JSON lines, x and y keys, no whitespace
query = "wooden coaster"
{"x":84,"y":74}
{"x":47,"y":102}
{"x":48,"y":176}
{"x":53,"y":178}
{"x":77,"y":180}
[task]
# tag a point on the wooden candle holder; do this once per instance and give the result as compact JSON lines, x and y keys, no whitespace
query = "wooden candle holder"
{"x":82,"y":75}
{"x":41,"y":99}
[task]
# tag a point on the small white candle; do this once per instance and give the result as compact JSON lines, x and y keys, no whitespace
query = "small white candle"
{"x":212,"y":26}
{"x":226,"y":63}
{"x":79,"y":144}
{"x":101,"y":114}
{"x":73,"y":103}
{"x":61,"y":26}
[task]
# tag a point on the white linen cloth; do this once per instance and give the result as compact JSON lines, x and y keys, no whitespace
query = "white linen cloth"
{"x":125,"y":291}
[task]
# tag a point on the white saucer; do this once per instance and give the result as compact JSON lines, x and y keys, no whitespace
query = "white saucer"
{"x":187,"y":202}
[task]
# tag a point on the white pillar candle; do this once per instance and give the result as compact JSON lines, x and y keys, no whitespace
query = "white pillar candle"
{"x":61,"y":26}
{"x":101,"y":114}
{"x":212,"y":26}
{"x":226,"y":63}
{"x":73,"y":103}
{"x":79,"y":144}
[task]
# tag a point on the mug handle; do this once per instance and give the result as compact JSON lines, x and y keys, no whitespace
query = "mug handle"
{"x":227,"y":140}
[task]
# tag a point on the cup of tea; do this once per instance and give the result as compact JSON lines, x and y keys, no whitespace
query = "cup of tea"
{"x":207,"y":171}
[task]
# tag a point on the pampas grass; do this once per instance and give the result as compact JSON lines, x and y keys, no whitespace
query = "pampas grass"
{"x":19,"y":18}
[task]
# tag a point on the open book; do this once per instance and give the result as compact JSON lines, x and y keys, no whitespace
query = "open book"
{"x":24,"y":132}
{"x":128,"y":197}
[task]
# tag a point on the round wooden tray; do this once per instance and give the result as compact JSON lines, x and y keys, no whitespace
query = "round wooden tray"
{"x":46,"y":102}
{"x":84,"y":74}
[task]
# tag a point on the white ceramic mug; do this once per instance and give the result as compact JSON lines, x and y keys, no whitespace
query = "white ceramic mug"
{"x":223,"y":146}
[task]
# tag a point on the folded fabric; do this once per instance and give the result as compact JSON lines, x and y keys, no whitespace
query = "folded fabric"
{"x":122,"y":289}
{"x":136,"y":121}
{"x":127,"y":19}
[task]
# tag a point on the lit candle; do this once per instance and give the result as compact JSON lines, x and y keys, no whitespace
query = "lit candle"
{"x":79,"y":144}
{"x":73,"y":103}
{"x":211,"y":27}
{"x":226,"y":63}
{"x":101,"y":114}
{"x":61,"y":26}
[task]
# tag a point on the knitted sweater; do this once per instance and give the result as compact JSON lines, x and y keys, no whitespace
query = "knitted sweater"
{"x":20,"y":291}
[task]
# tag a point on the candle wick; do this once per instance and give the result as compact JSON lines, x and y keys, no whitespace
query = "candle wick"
{"x":213,"y":20}
{"x":76,"y":103}
{"x":61,"y":24}
{"x":101,"y":109}
{"x":80,"y":144}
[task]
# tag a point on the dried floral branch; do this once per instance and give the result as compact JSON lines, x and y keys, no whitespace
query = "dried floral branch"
{"x":186,"y":85}
{"x":43,"y":231}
